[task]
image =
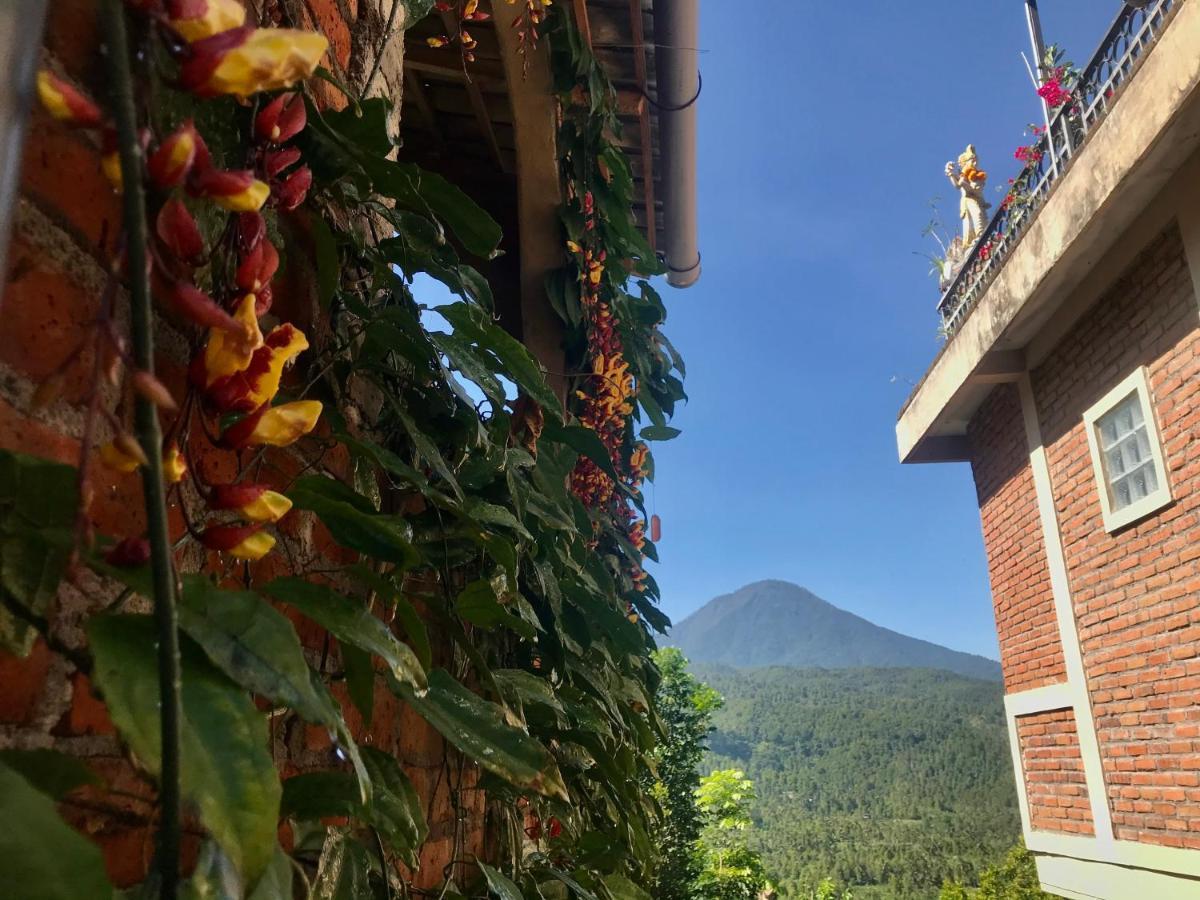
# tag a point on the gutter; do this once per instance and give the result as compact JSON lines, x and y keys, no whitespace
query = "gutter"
{"x":677,"y":70}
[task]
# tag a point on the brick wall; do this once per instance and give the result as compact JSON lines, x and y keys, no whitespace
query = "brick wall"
{"x":1053,"y":767}
{"x":1030,"y":649}
{"x":66,"y":216}
{"x":1137,"y":591}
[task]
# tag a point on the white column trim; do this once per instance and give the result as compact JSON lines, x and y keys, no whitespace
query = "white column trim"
{"x":1056,"y":564}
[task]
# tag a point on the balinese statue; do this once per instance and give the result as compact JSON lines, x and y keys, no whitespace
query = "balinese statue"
{"x":970,"y":181}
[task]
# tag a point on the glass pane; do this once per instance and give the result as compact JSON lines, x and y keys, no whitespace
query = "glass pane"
{"x":1125,"y":444}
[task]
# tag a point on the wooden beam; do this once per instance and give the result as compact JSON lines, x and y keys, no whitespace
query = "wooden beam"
{"x":413,"y":88}
{"x":453,"y":26}
{"x":581,"y":21}
{"x":539,"y":192}
{"x":639,"y":69}
{"x":446,"y":63}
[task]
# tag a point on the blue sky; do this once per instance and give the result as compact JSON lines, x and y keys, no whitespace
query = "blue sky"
{"x":824,"y":129}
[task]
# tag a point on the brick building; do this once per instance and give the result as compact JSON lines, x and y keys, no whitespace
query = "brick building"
{"x":1070,"y":381}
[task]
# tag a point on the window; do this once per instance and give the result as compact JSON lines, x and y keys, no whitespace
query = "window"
{"x":1127,"y":453}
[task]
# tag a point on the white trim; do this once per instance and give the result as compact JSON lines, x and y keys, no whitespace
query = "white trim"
{"x":1177,"y":860}
{"x":1138,"y":381}
{"x":1056,"y":565}
{"x":1014,"y":746}
{"x":1046,"y":698}
{"x":1094,"y":880}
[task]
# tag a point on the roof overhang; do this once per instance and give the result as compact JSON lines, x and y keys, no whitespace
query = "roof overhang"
{"x":1145,"y":141}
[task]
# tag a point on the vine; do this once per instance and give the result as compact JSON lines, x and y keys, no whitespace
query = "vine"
{"x":486,"y":557}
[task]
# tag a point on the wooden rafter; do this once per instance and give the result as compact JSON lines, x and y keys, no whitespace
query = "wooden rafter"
{"x":581,"y":20}
{"x":639,"y":68}
{"x":476,"y":97}
{"x":414,"y":89}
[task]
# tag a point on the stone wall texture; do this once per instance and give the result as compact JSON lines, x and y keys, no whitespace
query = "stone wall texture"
{"x":66,"y":222}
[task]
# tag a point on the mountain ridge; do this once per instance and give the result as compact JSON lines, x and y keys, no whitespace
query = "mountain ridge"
{"x":777,"y":623}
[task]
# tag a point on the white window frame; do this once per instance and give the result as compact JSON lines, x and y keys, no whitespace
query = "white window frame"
{"x":1137,"y":381}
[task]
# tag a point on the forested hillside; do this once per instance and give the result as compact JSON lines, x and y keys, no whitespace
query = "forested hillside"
{"x":888,"y":780}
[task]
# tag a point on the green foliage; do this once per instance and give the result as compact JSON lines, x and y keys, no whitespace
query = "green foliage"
{"x":889,"y":781}
{"x":730,"y":870}
{"x":227,"y":772}
{"x":1014,"y":878}
{"x":725,"y":797}
{"x":39,"y":852}
{"x":686,"y":707}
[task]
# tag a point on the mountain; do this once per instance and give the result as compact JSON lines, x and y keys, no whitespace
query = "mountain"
{"x":775,"y":623}
{"x":887,"y":780}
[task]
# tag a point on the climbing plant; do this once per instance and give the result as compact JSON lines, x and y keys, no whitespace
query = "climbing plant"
{"x":488,"y":542}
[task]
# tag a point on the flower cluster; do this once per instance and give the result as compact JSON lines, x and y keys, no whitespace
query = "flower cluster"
{"x":606,"y":396}
{"x":236,"y":373}
{"x":1054,"y":90}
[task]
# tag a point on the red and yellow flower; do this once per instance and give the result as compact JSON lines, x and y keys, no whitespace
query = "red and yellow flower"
{"x":274,"y":426}
{"x":229,"y":352}
{"x":195,"y":20}
{"x":258,"y":383}
{"x":234,"y":190}
{"x":170,"y":163}
{"x":244,"y":61}
{"x":254,"y":502}
{"x":248,"y":542}
{"x":175,"y":466}
{"x":65,"y":103}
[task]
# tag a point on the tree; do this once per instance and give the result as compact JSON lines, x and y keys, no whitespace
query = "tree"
{"x":731,"y":870}
{"x":685,"y":706}
{"x":1015,"y":878}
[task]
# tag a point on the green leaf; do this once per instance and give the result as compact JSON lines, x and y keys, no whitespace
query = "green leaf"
{"x":473,"y":364}
{"x":481,"y":730}
{"x":38,"y":851}
{"x":38,"y":499}
{"x":362,"y":126}
{"x":214,"y":878}
{"x":328,"y":268}
{"x":252,"y":643}
{"x":376,"y":535}
{"x":491,"y":514}
{"x":498,"y":884}
{"x":395,"y":810}
{"x":343,"y":873}
{"x":424,"y":445}
{"x":479,"y":605}
{"x":54,"y":774}
{"x":319,"y":795}
{"x":227,"y":771}
{"x":410,"y":620}
{"x":351,"y":624}
{"x":422,"y":191}
{"x":276,"y":882}
{"x":255,"y":645}
{"x":622,"y":888}
{"x":473,"y":324}
{"x":527,"y":688}
{"x":660,"y":433}
{"x":584,"y":441}
{"x":360,"y":681}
